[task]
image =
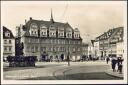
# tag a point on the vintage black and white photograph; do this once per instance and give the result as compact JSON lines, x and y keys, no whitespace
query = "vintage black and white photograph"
{"x":72,"y":41}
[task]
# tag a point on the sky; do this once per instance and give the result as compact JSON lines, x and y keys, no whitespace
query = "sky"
{"x":91,"y":18}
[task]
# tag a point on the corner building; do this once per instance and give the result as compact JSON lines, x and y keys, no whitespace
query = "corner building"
{"x":8,"y":43}
{"x":50,"y":38}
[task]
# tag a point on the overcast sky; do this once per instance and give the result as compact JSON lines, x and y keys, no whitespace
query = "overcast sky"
{"x":92,"y":18}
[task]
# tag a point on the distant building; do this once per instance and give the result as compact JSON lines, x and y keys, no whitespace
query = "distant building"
{"x":114,"y":40}
{"x":120,"y":44}
{"x":85,"y":49}
{"x":96,"y":49}
{"x":50,"y":38}
{"x":109,"y":42}
{"x":91,"y":49}
{"x":8,"y":43}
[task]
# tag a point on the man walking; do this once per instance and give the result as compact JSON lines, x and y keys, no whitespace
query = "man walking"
{"x":113,"y":64}
{"x":107,"y":60}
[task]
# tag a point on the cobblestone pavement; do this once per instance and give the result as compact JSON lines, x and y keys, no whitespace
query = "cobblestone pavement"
{"x":55,"y":70}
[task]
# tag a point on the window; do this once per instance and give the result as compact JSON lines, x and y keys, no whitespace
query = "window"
{"x":57,"y":49}
{"x":53,"y":33}
{"x":32,"y":32}
{"x":59,"y":34}
{"x":32,"y":48}
{"x":50,"y":48}
{"x":73,"y":49}
{"x":5,"y":48}
{"x":78,"y":49}
{"x":50,"y":33}
{"x":54,"y":49}
{"x":29,"y":40}
{"x":36,"y":48}
{"x":69,"y":34}
{"x":7,"y":34}
{"x":28,"y":48}
{"x":54,"y":41}
{"x":43,"y":48}
{"x":5,"y":41}
{"x":10,"y":48}
{"x":10,"y":42}
{"x":44,"y":33}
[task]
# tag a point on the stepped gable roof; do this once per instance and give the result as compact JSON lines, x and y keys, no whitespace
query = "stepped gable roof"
{"x":5,"y":29}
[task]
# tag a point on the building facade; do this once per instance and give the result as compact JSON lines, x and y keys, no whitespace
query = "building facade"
{"x":85,"y":49}
{"x":8,"y":43}
{"x":96,"y":49}
{"x":50,"y":38}
{"x":91,"y":49}
{"x":109,"y":42}
{"x":120,"y":49}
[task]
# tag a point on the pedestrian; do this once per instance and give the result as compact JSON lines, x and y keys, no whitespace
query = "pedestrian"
{"x":107,"y":60}
{"x":57,"y":58}
{"x":62,"y":57}
{"x":51,"y":58}
{"x":113,"y":64}
{"x":118,"y":63}
{"x":120,"y":66}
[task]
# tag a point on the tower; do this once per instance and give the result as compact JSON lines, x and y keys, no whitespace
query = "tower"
{"x":51,"y":17}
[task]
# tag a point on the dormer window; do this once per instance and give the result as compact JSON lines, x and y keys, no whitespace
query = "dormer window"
{"x":53,"y":34}
{"x":32,"y":32}
{"x":10,"y":41}
{"x":43,"y":30}
{"x":34,"y":29}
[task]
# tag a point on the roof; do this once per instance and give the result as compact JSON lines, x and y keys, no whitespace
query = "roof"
{"x":48,"y":24}
{"x":109,"y":34}
{"x":5,"y":29}
{"x":57,"y":25}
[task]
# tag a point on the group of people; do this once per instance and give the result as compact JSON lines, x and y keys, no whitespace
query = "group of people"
{"x":116,"y":61}
{"x":52,"y":58}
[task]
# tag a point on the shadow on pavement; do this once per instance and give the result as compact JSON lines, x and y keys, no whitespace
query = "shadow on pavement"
{"x":79,"y":76}
{"x":23,"y":68}
{"x":91,"y":76}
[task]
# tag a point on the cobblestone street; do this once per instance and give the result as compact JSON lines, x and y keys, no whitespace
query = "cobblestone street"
{"x":61,"y":71}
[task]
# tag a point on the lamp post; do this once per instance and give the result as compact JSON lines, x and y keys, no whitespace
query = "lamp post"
{"x":68,"y":57}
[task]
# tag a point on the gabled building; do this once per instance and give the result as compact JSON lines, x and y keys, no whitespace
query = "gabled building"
{"x":8,"y":43}
{"x":108,"y":42}
{"x":50,"y":38}
{"x":85,"y":49}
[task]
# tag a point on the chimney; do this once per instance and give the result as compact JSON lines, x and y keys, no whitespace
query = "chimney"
{"x":30,"y":18}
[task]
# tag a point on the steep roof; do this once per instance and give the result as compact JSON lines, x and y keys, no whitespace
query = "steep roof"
{"x":57,"y":25}
{"x":5,"y":29}
{"x":47,"y":23}
{"x":112,"y":33}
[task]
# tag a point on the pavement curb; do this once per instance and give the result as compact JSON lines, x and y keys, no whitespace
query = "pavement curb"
{"x":60,"y":72}
{"x":115,"y":74}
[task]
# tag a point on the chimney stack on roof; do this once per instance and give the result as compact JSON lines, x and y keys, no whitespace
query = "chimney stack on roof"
{"x":30,"y":18}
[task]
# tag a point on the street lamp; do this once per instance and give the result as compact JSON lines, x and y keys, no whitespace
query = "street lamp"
{"x":68,"y":57}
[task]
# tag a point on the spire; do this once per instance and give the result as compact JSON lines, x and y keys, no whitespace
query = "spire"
{"x":51,"y":17}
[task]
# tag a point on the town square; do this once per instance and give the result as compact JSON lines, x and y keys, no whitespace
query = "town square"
{"x":63,"y":41}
